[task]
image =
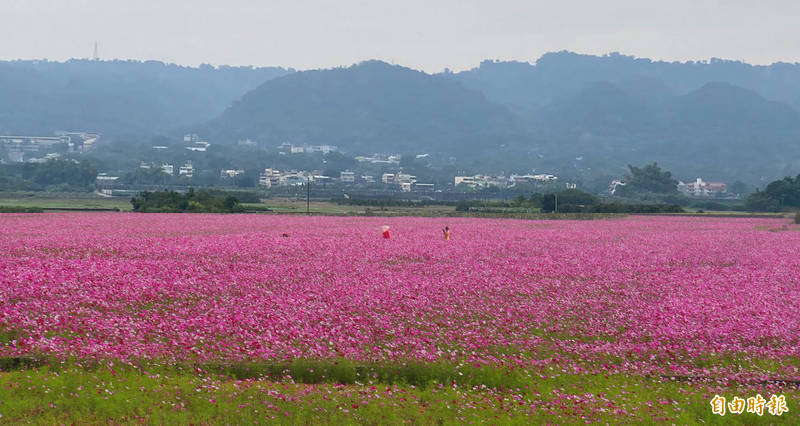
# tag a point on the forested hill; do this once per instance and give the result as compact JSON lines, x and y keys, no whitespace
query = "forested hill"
{"x":369,"y":107}
{"x":118,"y":97}
{"x":578,"y":115}
{"x":529,"y":86}
{"x":719,"y":118}
{"x":586,"y":115}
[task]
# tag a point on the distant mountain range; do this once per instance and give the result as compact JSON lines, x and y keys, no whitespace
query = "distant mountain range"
{"x":573,"y":114}
{"x":369,"y":107}
{"x":556,"y":75}
{"x":118,"y":97}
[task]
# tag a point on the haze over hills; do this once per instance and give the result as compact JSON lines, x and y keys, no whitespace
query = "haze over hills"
{"x":558,"y":74}
{"x":369,"y":107}
{"x":117,"y":97}
{"x":580,"y":115}
{"x":605,"y":111}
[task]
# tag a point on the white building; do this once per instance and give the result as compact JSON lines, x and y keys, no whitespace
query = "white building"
{"x":322,"y":148}
{"x":186,"y":170}
{"x":701,"y":188}
{"x":168,"y":169}
{"x":379,"y":159}
{"x":230,"y":173}
{"x":347,"y":177}
{"x":481,"y":181}
{"x":104,"y":178}
{"x":403,"y":178}
{"x":307,"y":149}
{"x":293,"y":179}
{"x":536,"y":179}
{"x":465,"y":180}
{"x":270,"y":178}
{"x":387,"y":178}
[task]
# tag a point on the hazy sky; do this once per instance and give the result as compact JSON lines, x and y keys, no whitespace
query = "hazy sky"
{"x":428,"y":35}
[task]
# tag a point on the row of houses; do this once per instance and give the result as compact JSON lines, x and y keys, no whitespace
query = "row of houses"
{"x":484,"y":181}
{"x":195,"y":143}
{"x":385,"y":159}
{"x":274,"y":177}
{"x":185,"y":170}
{"x":287,"y":147}
{"x":698,"y":188}
{"x":32,"y":149}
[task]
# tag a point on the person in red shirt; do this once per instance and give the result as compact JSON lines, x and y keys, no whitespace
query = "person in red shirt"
{"x":386,"y":233}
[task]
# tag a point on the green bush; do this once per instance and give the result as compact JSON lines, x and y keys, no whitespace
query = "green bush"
{"x":202,"y":201}
{"x":711,"y":205}
{"x":762,"y":202}
{"x":635,"y":208}
{"x":18,"y":209}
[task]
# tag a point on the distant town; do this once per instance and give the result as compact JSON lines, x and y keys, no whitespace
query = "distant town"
{"x":376,"y":172}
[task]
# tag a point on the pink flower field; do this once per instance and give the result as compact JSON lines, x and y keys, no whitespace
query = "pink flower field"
{"x":671,"y":296}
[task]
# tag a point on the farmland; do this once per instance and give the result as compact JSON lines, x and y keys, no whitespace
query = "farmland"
{"x":128,"y":317}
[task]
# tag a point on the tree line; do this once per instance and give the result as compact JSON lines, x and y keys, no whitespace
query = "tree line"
{"x":202,"y":201}
{"x":59,"y":175}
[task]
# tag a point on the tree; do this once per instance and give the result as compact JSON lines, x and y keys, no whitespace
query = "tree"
{"x":738,"y":188}
{"x":786,"y":191}
{"x":518,"y":201}
{"x":202,"y":201}
{"x":248,"y":179}
{"x":760,"y":201}
{"x":649,"y":178}
{"x":777,"y":195}
{"x":61,"y":172}
{"x":152,"y":176}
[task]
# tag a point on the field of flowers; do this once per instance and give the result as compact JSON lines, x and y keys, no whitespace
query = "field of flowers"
{"x":566,"y":321}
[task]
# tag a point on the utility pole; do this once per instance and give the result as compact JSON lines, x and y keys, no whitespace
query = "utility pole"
{"x":308,"y":196}
{"x":556,"y":209}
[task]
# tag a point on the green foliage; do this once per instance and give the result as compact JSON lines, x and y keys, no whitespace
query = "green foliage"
{"x":59,"y":175}
{"x":20,"y":209}
{"x":797,"y":218}
{"x":388,"y":202}
{"x":151,"y":176}
{"x":760,"y":201}
{"x":242,"y":196}
{"x":649,"y":178}
{"x":371,"y":107}
{"x":635,"y":208}
{"x":786,"y":190}
{"x":778,"y":195}
{"x":327,"y":392}
{"x":738,"y":187}
{"x":202,"y":201}
{"x":711,"y":205}
{"x":567,"y":201}
{"x":518,"y":201}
